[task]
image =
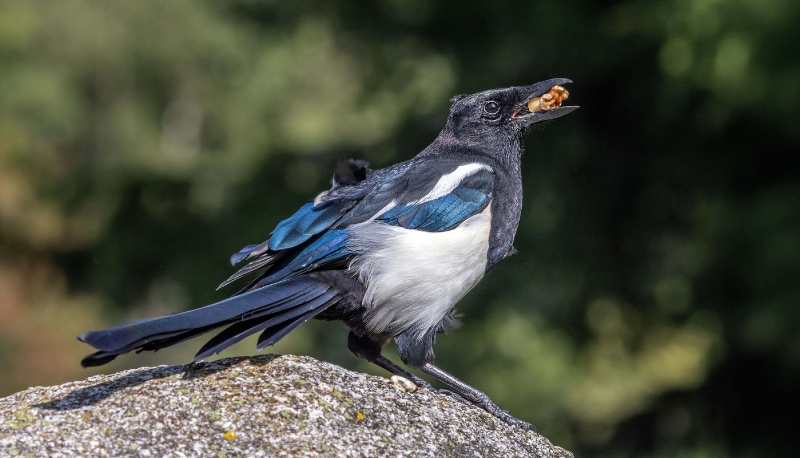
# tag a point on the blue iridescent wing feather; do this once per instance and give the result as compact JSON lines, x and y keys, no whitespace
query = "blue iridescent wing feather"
{"x":446,"y":212}
{"x":316,"y":236}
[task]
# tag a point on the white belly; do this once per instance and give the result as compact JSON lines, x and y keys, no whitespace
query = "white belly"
{"x":413,"y":277}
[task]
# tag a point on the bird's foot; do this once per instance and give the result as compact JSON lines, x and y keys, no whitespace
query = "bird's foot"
{"x":514,"y":421}
{"x":453,"y":394}
{"x":488,"y":405}
{"x":475,"y":397}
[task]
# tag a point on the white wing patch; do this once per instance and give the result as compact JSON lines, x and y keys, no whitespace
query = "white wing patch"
{"x":448,"y":182}
{"x":414,"y":277}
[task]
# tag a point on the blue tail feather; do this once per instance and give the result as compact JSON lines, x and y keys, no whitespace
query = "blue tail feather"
{"x":243,"y":253}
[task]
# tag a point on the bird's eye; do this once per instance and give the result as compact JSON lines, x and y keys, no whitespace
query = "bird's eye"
{"x":491,"y":107}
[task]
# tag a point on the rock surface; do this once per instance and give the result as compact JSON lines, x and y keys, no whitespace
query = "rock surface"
{"x":261,"y":406}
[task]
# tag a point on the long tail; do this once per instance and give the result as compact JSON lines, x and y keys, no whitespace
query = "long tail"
{"x":275,"y":310}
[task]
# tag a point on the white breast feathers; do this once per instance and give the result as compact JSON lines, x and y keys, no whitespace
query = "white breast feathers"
{"x":413,"y":277}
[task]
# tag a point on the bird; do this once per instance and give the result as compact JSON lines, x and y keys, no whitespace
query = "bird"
{"x":388,"y":251}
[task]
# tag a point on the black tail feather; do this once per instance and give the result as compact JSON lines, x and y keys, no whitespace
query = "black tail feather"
{"x":272,"y":335}
{"x":258,"y":263}
{"x":143,"y":331}
{"x":243,"y":329}
{"x":276,"y":305}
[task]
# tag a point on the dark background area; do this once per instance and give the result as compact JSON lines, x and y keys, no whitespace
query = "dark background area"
{"x":652,"y":309}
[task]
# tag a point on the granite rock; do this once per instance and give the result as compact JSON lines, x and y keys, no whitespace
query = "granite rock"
{"x":270,"y":406}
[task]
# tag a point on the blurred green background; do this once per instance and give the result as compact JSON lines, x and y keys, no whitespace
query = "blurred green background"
{"x":652,"y":310}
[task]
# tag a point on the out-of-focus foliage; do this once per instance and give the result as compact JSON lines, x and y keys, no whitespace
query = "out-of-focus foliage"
{"x":652,"y":310}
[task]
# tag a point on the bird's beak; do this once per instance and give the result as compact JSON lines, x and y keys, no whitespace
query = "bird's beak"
{"x":541,"y":102}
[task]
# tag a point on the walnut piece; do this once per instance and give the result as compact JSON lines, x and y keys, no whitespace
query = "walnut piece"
{"x":404,"y":384}
{"x":552,"y":99}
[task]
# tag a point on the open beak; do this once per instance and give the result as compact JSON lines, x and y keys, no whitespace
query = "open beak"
{"x":542,"y":102}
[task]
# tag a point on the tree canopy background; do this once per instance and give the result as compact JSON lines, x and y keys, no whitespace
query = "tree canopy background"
{"x":652,"y":310}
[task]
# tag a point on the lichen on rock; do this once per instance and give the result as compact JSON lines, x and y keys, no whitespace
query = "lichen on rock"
{"x":260,"y":406}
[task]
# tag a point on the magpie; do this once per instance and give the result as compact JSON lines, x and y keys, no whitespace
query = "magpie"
{"x":389,"y":252}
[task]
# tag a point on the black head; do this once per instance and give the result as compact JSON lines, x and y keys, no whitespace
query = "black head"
{"x":501,"y":113}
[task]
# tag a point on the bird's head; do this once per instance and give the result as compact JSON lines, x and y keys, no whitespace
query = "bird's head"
{"x":506,"y":113}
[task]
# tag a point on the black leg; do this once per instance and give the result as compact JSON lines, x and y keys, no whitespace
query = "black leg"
{"x":474,"y":396}
{"x":370,"y":350}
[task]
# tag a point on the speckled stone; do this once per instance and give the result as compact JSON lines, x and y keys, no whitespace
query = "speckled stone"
{"x":264,"y":406}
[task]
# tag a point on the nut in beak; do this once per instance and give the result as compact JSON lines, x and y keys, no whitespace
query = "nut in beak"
{"x":552,"y":99}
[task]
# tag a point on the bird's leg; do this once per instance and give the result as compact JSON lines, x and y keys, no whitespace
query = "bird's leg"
{"x":418,"y":352}
{"x":474,"y":396}
{"x":370,"y":350}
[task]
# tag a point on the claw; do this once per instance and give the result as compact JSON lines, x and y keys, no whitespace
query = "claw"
{"x":452,"y":393}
